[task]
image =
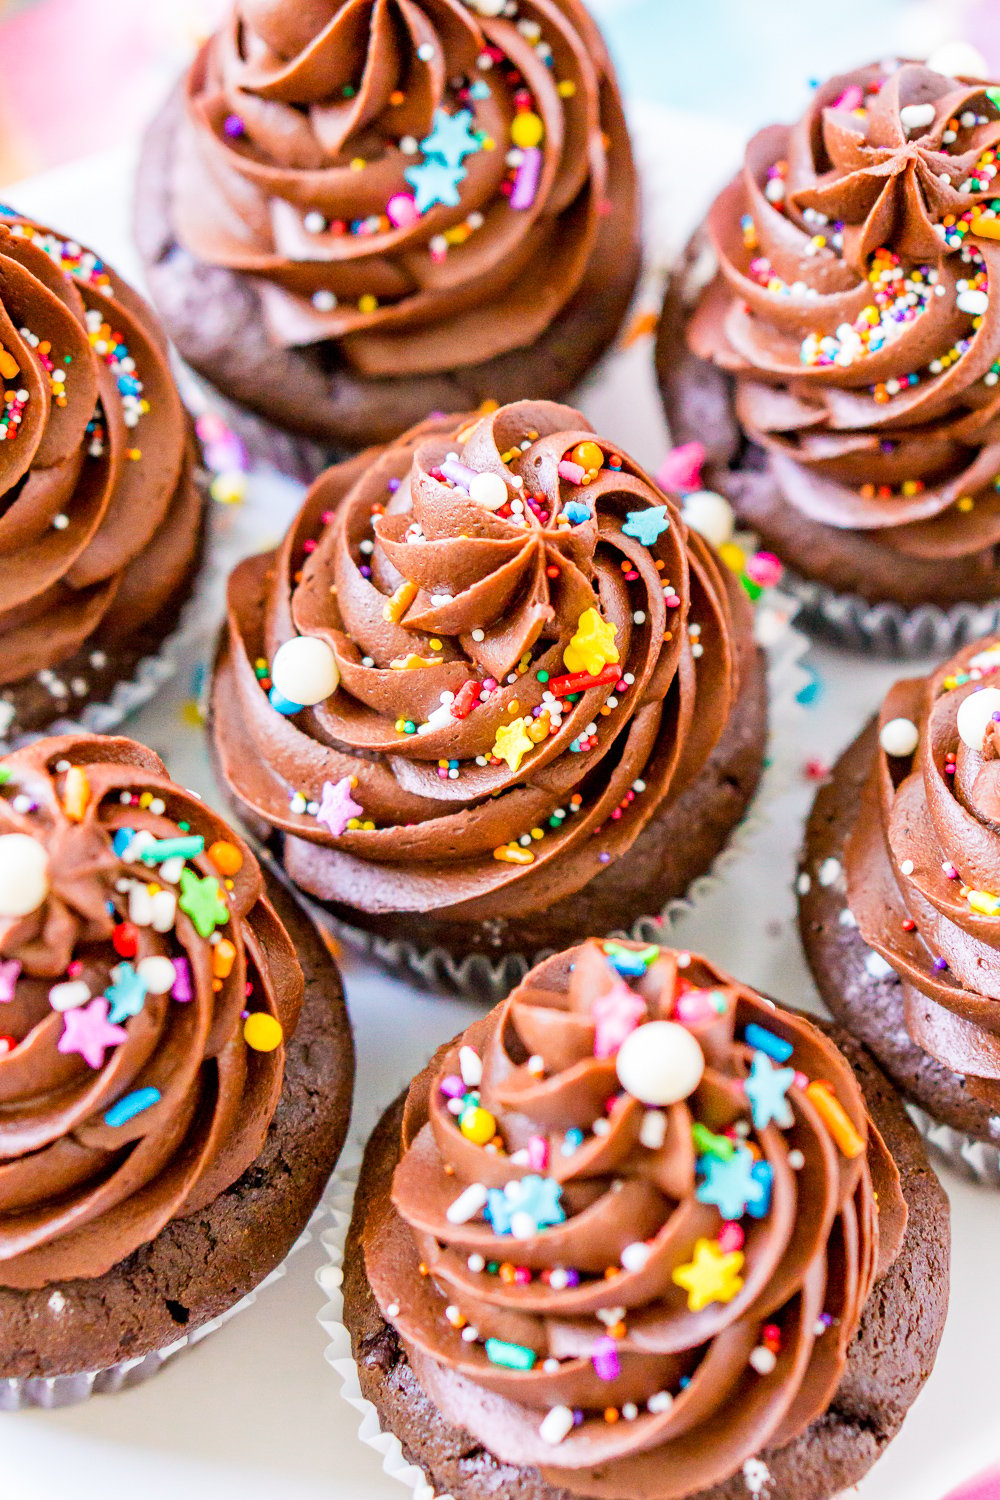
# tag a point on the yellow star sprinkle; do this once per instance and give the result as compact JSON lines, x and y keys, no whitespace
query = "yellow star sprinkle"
{"x":593,"y":646}
{"x":712,"y":1276}
{"x":512,"y":743}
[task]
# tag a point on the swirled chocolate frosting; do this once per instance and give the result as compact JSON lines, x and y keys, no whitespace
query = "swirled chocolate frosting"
{"x":923,"y":867}
{"x":853,"y":305}
{"x":145,"y":988}
{"x":636,"y":1218}
{"x":533,"y":655}
{"x":424,"y":182}
{"x":99,"y":515}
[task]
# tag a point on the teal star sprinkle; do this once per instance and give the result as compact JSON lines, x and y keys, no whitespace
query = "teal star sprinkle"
{"x":767,"y":1089}
{"x":127,"y":995}
{"x":531,"y":1204}
{"x":647,"y":525}
{"x":736,"y":1187}
{"x":435,"y":182}
{"x":452,"y":139}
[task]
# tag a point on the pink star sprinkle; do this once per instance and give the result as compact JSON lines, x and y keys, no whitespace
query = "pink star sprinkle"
{"x":617,"y":1015}
{"x":9,"y":973}
{"x":338,"y":807}
{"x":87,"y":1031}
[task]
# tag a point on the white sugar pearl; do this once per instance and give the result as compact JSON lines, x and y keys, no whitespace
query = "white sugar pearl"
{"x":634,"y":1257}
{"x":489,"y":490}
{"x":305,"y":670}
{"x":973,"y":302}
{"x":763,"y":1360}
{"x":958,"y":60}
{"x":710,"y":515}
{"x":24,"y":875}
{"x":660,"y":1063}
{"x":158,"y":974}
{"x":899,"y":737}
{"x":975,"y":714}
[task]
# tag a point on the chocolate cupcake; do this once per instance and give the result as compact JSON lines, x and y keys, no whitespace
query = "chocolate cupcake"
{"x":899,"y":903}
{"x":101,"y":517}
{"x":830,"y":337}
{"x":641,"y":1232}
{"x":490,"y":679}
{"x":352,"y":215}
{"x":176,"y":1069}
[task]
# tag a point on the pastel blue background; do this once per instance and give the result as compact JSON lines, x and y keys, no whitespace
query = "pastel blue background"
{"x":750,"y":61}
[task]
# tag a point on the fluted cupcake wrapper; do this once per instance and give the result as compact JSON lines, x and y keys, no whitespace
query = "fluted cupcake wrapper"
{"x":339,"y":1355}
{"x":889,"y":630}
{"x":480,"y":978}
{"x":50,"y":1391}
{"x":975,"y":1160}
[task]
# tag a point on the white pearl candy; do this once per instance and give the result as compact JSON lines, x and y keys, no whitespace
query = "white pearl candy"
{"x":899,"y":737}
{"x":660,"y":1063}
{"x":489,"y":490}
{"x":975,"y":714}
{"x":24,"y":875}
{"x":958,"y":60}
{"x":305,"y":670}
{"x":710,"y":515}
{"x":158,"y":974}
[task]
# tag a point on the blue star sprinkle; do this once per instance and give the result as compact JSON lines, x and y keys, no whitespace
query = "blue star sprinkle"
{"x":435,"y":182}
{"x":767,"y":1089}
{"x":647,"y":525}
{"x":127,"y":995}
{"x":577,"y":513}
{"x":736,"y":1187}
{"x":523,"y":1208}
{"x":451,"y":140}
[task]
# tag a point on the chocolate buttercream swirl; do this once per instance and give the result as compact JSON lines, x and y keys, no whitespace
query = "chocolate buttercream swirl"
{"x":636,"y":1218}
{"x":135,"y":934}
{"x":423,"y":183}
{"x":858,"y":251}
{"x":99,"y":515}
{"x":524,"y":677}
{"x":923,"y":864}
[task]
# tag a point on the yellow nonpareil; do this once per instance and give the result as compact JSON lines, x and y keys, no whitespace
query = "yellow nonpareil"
{"x":713,"y":1275}
{"x":593,"y":647}
{"x":512,"y":743}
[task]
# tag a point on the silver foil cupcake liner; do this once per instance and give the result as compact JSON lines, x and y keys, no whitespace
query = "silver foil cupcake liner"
{"x":976,"y":1161}
{"x":479,"y":977}
{"x":889,"y":630}
{"x":18,"y":1394}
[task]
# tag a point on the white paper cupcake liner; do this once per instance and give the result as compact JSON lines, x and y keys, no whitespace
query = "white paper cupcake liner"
{"x":187,"y":643}
{"x":339,"y":1354}
{"x":977,"y":1161}
{"x":70,"y":1390}
{"x":482,"y":978}
{"x":890,"y":629}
